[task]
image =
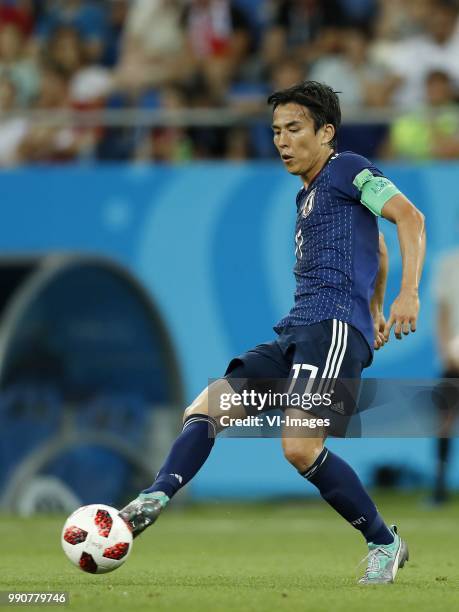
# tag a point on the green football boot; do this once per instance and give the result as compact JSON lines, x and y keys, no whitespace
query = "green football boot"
{"x":143,"y":511}
{"x":384,"y":560}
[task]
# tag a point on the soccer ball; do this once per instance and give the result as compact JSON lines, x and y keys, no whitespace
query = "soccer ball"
{"x":96,"y":539}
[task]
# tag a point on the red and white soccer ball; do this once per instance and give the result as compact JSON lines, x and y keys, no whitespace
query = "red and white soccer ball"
{"x":96,"y":539}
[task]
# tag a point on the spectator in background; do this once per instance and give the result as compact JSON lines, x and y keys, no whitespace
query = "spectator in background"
{"x":44,"y":142}
{"x":88,"y":84}
{"x":153,"y":46}
{"x":238,"y":145}
{"x":12,"y":130}
{"x":86,"y":17}
{"x":256,"y":140}
{"x":437,"y":49}
{"x":16,"y":65}
{"x":447,"y":297}
{"x":217,"y":43}
{"x":359,"y":13}
{"x":169,"y":143}
{"x":397,"y":21}
{"x":201,"y":53}
{"x":428,"y":133}
{"x":19,"y":13}
{"x":302,"y":21}
{"x":65,"y":51}
{"x":116,"y":20}
{"x":304,"y":28}
{"x":286,"y":73}
{"x":350,"y":70}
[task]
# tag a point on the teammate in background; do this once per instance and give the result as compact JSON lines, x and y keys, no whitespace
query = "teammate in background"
{"x":329,"y":333}
{"x":447,"y":296}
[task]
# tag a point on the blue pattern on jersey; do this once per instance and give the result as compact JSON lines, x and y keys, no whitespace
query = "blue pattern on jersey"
{"x":336,"y":248}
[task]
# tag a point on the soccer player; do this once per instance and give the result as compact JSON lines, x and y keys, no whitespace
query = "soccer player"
{"x":335,"y":323}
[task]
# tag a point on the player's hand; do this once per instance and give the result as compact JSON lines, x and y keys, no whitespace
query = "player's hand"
{"x":379,"y":324}
{"x":403,"y":314}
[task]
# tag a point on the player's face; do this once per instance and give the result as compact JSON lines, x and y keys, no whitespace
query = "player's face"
{"x":301,"y":148}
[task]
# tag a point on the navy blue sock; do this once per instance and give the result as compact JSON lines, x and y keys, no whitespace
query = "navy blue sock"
{"x":340,"y":486}
{"x":187,"y":455}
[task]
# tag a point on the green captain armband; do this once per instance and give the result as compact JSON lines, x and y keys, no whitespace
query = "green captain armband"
{"x":375,"y":191}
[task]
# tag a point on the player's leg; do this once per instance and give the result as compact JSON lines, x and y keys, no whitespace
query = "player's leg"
{"x":341,"y":488}
{"x":201,"y":424}
{"x":187,"y":455}
{"x":335,"y":479}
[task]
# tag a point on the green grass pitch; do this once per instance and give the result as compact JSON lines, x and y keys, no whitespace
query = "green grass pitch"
{"x":270,"y":556}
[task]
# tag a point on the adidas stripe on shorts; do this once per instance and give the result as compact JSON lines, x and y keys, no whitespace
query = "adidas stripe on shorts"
{"x":322,"y":358}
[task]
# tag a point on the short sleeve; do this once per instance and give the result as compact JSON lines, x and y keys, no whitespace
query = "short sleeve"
{"x":347,"y":166}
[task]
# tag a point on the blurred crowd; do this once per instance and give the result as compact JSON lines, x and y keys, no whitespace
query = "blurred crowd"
{"x":59,"y":55}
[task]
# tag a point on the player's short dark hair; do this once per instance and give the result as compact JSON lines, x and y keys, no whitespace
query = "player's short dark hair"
{"x":320,"y":99}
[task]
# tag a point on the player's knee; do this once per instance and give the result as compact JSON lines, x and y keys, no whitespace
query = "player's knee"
{"x":194,"y":409}
{"x":302,"y":453}
{"x":199,"y":406}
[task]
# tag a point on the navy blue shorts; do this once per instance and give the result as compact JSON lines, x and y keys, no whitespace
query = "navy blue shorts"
{"x":325,"y":357}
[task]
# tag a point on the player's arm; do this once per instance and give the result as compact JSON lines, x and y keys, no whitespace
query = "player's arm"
{"x":383,"y":198}
{"x":377,"y":301}
{"x":412,"y":239}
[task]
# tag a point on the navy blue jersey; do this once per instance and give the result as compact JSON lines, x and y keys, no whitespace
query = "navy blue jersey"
{"x":336,"y":248}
